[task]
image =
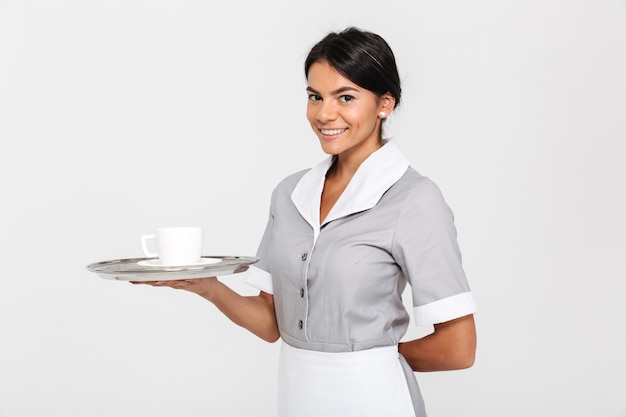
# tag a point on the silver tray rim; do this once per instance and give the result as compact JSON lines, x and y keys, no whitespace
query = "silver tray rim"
{"x":128,"y":269}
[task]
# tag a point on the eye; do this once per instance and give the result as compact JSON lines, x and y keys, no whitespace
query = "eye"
{"x":314,"y":97}
{"x":346,"y":98}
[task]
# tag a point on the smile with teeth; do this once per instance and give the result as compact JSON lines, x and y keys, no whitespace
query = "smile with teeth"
{"x":332,"y":132}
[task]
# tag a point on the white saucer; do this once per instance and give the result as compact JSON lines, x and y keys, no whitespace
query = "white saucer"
{"x":157,"y":263}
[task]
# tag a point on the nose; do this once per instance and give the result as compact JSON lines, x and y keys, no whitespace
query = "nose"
{"x":326,"y":112}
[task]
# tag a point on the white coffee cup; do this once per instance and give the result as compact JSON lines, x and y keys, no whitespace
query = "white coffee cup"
{"x":175,"y":245}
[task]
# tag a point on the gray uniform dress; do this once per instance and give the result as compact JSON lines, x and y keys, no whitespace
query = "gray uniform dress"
{"x":338,"y":286}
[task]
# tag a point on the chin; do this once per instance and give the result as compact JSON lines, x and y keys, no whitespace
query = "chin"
{"x":330,"y":149}
{"x":333,"y":146}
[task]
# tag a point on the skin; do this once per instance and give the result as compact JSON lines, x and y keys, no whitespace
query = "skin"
{"x":255,"y":313}
{"x":346,"y":119}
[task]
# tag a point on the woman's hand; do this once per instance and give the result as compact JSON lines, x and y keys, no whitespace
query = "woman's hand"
{"x":200,"y":286}
{"x":451,"y":346}
{"x":255,"y":313}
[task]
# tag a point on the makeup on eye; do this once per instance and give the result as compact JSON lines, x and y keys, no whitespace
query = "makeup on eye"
{"x":314,"y":95}
{"x":345,"y":99}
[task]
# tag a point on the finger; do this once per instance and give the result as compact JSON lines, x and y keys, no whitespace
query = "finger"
{"x":152,"y":283}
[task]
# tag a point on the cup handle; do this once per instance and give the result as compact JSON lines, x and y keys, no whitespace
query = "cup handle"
{"x":144,"y":246}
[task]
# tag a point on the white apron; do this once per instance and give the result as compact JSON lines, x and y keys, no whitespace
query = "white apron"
{"x":368,"y":383}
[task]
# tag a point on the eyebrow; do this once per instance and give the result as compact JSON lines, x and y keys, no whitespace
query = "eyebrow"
{"x":337,"y":91}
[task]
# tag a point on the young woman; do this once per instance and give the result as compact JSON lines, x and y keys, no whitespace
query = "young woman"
{"x":342,"y":241}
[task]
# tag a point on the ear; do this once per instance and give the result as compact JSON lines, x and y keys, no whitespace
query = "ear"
{"x":386,"y":103}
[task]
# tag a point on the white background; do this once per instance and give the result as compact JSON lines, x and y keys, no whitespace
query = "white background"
{"x":118,"y":117}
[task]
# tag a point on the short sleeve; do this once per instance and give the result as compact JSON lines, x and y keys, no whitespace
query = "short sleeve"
{"x":258,"y":275}
{"x":425,"y":246}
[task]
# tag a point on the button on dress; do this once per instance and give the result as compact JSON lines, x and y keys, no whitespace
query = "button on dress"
{"x":338,"y":286}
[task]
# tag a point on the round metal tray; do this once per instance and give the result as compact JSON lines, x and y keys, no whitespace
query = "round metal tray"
{"x":132,"y":270}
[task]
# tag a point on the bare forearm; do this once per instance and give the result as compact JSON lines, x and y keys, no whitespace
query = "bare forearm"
{"x":255,"y":313}
{"x":451,"y":346}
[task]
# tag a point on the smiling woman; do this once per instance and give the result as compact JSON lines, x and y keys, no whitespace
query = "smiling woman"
{"x":352,"y":80}
{"x":346,"y":118}
{"x":342,"y":241}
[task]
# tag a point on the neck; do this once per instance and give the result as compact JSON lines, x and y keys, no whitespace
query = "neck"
{"x":346,"y":164}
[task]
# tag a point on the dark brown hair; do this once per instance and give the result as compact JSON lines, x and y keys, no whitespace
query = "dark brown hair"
{"x":363,"y":57}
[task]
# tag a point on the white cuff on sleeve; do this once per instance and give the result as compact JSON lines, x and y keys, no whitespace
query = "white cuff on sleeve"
{"x":445,"y":309}
{"x":259,"y":279}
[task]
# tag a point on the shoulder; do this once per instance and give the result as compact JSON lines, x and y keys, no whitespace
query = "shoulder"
{"x":418,"y":195}
{"x":290,"y":181}
{"x":285,"y":187}
{"x":415,"y":185}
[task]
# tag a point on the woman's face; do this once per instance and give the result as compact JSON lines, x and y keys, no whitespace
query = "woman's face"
{"x":344,"y":116}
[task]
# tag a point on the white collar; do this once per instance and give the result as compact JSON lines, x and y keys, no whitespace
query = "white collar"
{"x":375,"y":175}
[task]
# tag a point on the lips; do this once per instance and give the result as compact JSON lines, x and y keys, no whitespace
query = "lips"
{"x":332,"y":132}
